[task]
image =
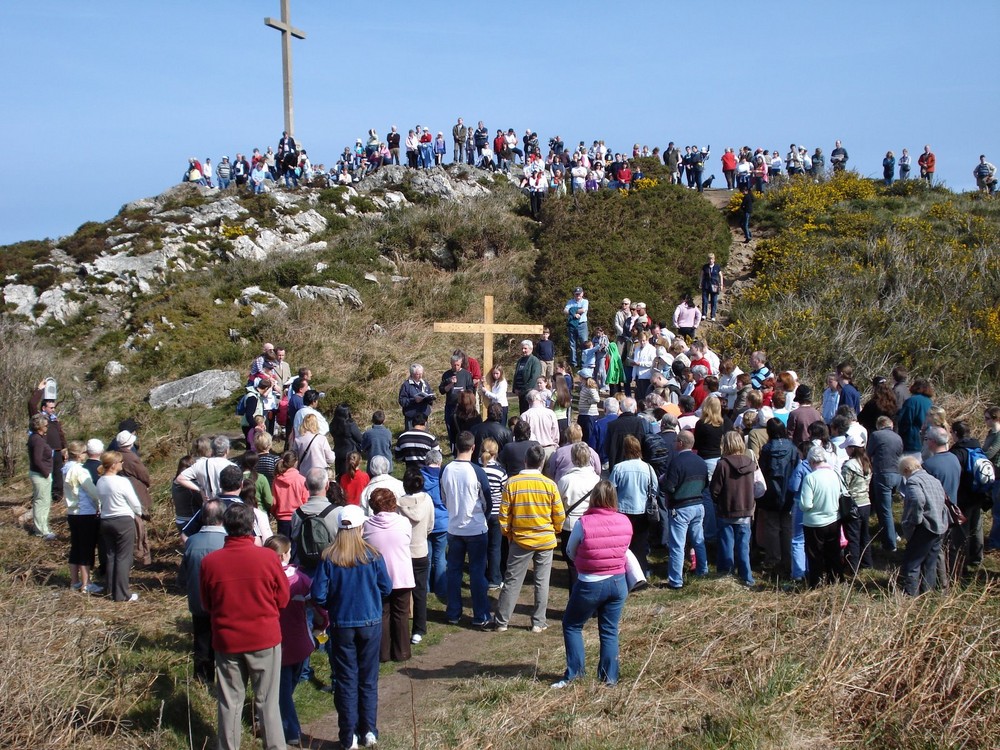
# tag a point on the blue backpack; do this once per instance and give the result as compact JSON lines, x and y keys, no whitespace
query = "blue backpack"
{"x":981,"y":469}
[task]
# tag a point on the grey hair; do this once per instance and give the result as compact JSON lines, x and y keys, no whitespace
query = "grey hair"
{"x":378,"y":465}
{"x":937,"y":435}
{"x":816,"y":455}
{"x":456,"y":358}
{"x":611,"y":405}
{"x":527,"y":343}
{"x":414,"y":367}
{"x":700,"y":372}
{"x":434,"y":457}
{"x":909,"y":465}
{"x":533,"y":396}
{"x":628,"y":405}
{"x":220,"y":446}
{"x":316,"y":480}
{"x":669,"y":423}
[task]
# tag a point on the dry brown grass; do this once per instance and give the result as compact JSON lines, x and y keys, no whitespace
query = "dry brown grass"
{"x":60,"y":675}
{"x":724,"y":667}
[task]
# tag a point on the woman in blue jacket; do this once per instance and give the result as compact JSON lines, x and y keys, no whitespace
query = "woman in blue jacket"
{"x":913,"y":412}
{"x":350,"y":583}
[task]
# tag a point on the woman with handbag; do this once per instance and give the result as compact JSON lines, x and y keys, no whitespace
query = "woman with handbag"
{"x":857,"y":475}
{"x":819,"y":500}
{"x":732,"y":489}
{"x":598,"y":546}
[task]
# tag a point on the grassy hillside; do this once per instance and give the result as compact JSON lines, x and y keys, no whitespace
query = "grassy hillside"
{"x":879,"y":276}
{"x":848,"y":268}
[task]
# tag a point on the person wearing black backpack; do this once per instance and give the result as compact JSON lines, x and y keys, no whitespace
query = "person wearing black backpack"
{"x":967,"y":539}
{"x":314,"y":523}
{"x":778,"y":459}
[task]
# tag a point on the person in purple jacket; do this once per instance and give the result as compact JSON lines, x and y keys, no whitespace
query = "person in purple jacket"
{"x":597,"y":545}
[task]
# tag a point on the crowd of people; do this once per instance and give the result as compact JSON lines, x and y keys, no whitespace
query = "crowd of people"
{"x":556,"y":169}
{"x":642,"y":439}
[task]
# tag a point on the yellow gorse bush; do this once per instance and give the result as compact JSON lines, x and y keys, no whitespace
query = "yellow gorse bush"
{"x":857,"y":272}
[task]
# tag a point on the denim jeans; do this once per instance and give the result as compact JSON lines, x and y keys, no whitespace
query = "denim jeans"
{"x":686,"y":521}
{"x":286,"y":701}
{"x":577,"y":332}
{"x":355,"y":687}
{"x":224,"y":183}
{"x":881,"y":496}
{"x":437,"y":581}
{"x":746,"y":226}
{"x":798,"y":545}
{"x":734,"y":542}
{"x":475,"y":547}
{"x":494,"y":538}
{"x":708,"y":524}
{"x":709,"y":298}
{"x":606,"y":598}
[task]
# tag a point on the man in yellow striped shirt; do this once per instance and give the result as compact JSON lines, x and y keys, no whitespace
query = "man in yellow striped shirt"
{"x":531,"y":517}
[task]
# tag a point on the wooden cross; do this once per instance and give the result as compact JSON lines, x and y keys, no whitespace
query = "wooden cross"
{"x":489,"y":329}
{"x":287,"y":32}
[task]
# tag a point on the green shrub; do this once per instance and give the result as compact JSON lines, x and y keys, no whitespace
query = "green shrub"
{"x":87,"y":242}
{"x":262,"y":207}
{"x":647,"y":245}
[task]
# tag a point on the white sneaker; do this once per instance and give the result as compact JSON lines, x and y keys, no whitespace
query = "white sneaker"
{"x":134,"y":597}
{"x":370,"y":739}
{"x":416,"y":638}
{"x":354,"y":744}
{"x":560,"y":685}
{"x":539,"y":628}
{"x":93,"y":588}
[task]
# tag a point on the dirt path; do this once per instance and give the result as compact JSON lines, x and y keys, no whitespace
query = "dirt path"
{"x":738,"y":268}
{"x":415,"y":688}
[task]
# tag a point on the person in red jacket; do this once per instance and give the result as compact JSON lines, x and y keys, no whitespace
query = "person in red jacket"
{"x":927,"y":163}
{"x":243,"y":590}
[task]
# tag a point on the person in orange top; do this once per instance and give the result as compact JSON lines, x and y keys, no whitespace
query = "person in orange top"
{"x":289,"y":492}
{"x":354,"y":480}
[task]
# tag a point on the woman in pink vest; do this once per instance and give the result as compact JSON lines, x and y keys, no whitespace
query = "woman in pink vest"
{"x":597,"y":546}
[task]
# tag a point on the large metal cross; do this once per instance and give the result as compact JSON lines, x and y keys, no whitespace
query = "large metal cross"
{"x":287,"y":32}
{"x":489,"y":329}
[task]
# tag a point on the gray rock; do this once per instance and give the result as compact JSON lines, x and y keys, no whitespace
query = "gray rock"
{"x":371,"y":277}
{"x":57,"y":306}
{"x":434,"y":181}
{"x":247,"y":249}
{"x":258,"y":300}
{"x":23,"y":297}
{"x":203,"y":389}
{"x":114,"y":368}
{"x":444,"y":257}
{"x":227,"y":208}
{"x":342,"y":293}
{"x":399,"y":279}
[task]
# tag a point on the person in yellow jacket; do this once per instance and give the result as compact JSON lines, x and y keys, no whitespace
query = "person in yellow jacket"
{"x":531,"y":517}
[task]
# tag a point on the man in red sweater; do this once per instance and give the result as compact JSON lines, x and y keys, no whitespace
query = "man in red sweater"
{"x":243,"y":589}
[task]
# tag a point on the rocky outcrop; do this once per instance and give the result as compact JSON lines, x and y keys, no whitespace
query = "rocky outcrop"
{"x":259,"y":301}
{"x":457,"y":183}
{"x":341,"y":293}
{"x":189,"y":228}
{"x":203,"y":389}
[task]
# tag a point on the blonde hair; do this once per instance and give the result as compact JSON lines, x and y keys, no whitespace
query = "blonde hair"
{"x":732,"y":444}
{"x":711,"y":412}
{"x":489,"y":450}
{"x":349,"y":549}
{"x":310,"y":423}
{"x":262,"y":442}
{"x":76,"y":448}
{"x":109,"y":459}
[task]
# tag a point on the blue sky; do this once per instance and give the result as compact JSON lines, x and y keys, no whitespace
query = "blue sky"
{"x":105,"y":101}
